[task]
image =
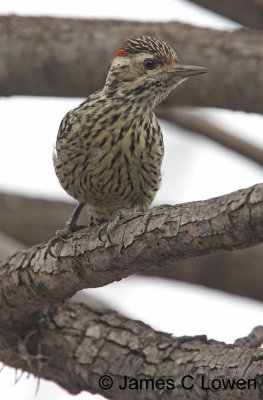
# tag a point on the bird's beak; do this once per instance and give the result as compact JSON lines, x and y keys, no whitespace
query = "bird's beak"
{"x":184,"y":71}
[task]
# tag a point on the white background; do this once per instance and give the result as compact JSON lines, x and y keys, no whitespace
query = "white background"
{"x":194,"y":168}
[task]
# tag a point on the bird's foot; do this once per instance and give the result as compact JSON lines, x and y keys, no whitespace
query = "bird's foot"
{"x":61,"y":236}
{"x":71,"y":227}
{"x":108,"y":228}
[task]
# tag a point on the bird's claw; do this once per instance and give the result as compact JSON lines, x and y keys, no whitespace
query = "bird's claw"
{"x":50,"y":244}
{"x":102,"y":231}
{"x":61,"y":236}
{"x":106,"y":230}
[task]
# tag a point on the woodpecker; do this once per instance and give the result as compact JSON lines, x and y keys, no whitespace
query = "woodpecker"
{"x":109,"y":149}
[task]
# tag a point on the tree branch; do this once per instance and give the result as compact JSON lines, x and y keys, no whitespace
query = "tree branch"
{"x":156,"y":238}
{"x":226,"y":271}
{"x":253,"y":340}
{"x":70,"y":57}
{"x":75,"y":345}
{"x":246,"y":12}
{"x":31,"y":220}
{"x":191,"y":122}
{"x":8,"y":245}
{"x":36,"y":220}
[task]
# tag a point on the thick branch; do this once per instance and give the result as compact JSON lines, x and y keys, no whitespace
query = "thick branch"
{"x":156,"y":238}
{"x":237,"y":272}
{"x":75,"y":345}
{"x":192,"y":122}
{"x":36,"y":220}
{"x":70,"y":57}
{"x":253,"y":340}
{"x":246,"y":12}
{"x":31,"y":220}
{"x":8,"y":245}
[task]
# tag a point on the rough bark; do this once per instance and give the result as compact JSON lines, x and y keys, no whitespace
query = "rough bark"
{"x":70,"y":57}
{"x":76,"y":346}
{"x":36,"y":220}
{"x":191,"y":122}
{"x":129,"y":245}
{"x":253,"y":340}
{"x":246,"y":12}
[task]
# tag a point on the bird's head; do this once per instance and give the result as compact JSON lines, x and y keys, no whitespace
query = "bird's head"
{"x":148,"y":69}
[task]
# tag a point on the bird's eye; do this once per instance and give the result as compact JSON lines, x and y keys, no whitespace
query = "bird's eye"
{"x":149,"y":63}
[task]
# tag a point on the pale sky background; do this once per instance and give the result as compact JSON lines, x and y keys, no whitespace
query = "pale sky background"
{"x":194,"y":168}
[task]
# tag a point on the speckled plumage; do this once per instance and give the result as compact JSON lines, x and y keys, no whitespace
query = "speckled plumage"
{"x":109,"y":149}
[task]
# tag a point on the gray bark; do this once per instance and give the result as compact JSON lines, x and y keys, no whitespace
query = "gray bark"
{"x":9,"y":245}
{"x":35,"y":220}
{"x":246,"y":12}
{"x":237,"y":272}
{"x":31,"y":220}
{"x":253,"y":340}
{"x":75,"y":345}
{"x":69,"y":57}
{"x":128,"y":245}
{"x":191,"y":122}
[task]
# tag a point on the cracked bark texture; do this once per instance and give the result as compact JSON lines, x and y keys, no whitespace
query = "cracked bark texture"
{"x":253,"y":340}
{"x":156,"y":238}
{"x":74,"y":345}
{"x":71,"y":57}
{"x":33,"y":220}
